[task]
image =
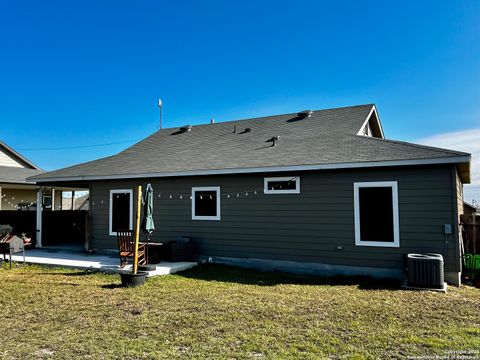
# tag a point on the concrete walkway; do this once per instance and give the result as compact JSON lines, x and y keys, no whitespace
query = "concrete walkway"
{"x":103,"y":263}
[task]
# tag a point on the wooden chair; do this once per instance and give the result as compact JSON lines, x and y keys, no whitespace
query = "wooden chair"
{"x":126,"y":245}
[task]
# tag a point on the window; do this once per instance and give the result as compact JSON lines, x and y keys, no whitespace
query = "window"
{"x":121,"y":211}
{"x":376,"y":214}
{"x":206,"y":203}
{"x":282,"y":185}
{"x":47,"y":202}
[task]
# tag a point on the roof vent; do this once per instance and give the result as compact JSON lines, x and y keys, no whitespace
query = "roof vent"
{"x":212,"y":121}
{"x":274,"y":140}
{"x":305,"y":114}
{"x":186,"y":128}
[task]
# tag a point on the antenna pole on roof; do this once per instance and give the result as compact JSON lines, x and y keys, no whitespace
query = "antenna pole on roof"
{"x":160,"y":107}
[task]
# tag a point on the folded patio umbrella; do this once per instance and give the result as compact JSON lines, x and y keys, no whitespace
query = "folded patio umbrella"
{"x":147,"y":222}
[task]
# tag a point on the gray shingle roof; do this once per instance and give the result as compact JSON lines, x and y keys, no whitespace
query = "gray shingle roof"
{"x":17,"y":175}
{"x":327,"y":137}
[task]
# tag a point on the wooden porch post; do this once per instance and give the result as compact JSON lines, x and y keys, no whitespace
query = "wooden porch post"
{"x":87,"y":232}
{"x":39,"y":216}
{"x":137,"y":229}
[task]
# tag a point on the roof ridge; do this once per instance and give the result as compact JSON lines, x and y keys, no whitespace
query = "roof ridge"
{"x":268,"y":116}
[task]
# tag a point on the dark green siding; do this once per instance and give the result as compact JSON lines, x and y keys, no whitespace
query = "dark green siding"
{"x":301,"y":227}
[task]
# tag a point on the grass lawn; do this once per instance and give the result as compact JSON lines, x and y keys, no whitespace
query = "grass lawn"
{"x":225,"y":312}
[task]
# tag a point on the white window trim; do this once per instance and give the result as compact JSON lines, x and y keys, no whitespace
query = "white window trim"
{"x":43,"y":200}
{"x":266,"y":190}
{"x":110,"y":209}
{"x":206,"y":188}
{"x":396,"y":227}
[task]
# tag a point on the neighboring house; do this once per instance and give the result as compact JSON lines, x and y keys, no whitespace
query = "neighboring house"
{"x":73,"y":202}
{"x":469,"y":209}
{"x":314,"y":192}
{"x":16,"y":191}
{"x":19,"y":193}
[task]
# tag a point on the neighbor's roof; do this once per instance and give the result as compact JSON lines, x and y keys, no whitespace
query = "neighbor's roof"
{"x":470,"y":206}
{"x":17,"y":175}
{"x":326,"y":140}
{"x":18,"y":157}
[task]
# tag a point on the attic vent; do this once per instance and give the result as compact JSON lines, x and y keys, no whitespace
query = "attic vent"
{"x":305,"y":114}
{"x":274,"y":140}
{"x":186,"y":128}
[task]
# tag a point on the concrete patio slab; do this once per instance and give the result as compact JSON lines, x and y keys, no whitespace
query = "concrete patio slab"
{"x":98,"y":262}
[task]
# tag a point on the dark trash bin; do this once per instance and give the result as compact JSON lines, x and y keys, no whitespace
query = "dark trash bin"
{"x":181,"y":250}
{"x":158,"y":252}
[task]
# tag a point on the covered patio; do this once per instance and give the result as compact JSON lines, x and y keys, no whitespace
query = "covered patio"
{"x":108,"y":263}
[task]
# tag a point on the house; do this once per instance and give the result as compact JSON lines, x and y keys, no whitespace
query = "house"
{"x":321,"y":192}
{"x":469,"y":209}
{"x":19,"y":197}
{"x":16,"y":192}
{"x":74,"y":202}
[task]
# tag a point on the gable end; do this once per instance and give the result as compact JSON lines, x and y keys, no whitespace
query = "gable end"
{"x":11,"y":158}
{"x":372,"y":125}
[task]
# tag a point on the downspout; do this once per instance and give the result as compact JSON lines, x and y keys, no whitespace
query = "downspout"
{"x":39,"y":216}
{"x":456,"y":218}
{"x":89,"y":227}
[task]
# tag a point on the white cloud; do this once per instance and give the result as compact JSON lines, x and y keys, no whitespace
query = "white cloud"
{"x":467,"y":141}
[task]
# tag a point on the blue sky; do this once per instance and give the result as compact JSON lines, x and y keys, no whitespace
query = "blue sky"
{"x":75,"y":73}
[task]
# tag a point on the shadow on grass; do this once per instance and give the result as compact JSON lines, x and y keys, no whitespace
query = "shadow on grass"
{"x":239,"y":275}
{"x":74,"y":273}
{"x":232,"y":274}
{"x":111,"y":286}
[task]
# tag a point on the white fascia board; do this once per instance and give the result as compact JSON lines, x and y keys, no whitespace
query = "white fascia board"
{"x":354,"y":165}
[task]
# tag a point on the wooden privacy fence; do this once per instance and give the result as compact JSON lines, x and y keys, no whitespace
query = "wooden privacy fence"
{"x":471,"y":233}
{"x":69,"y":227}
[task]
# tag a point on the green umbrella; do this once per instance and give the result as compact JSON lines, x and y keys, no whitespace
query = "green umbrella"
{"x":147,"y":222}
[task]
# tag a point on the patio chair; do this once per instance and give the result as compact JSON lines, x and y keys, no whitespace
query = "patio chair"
{"x":126,"y":244}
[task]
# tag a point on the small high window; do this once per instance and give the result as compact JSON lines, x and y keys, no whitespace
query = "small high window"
{"x":376,"y":214}
{"x":47,"y":202}
{"x":282,"y":185}
{"x":120,"y":211}
{"x":206,"y":203}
